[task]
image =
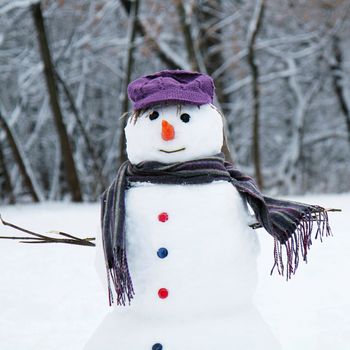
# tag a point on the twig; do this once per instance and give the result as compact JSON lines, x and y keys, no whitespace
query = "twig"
{"x":39,"y":238}
{"x":20,"y":228}
{"x":73,"y":237}
{"x":15,"y":237}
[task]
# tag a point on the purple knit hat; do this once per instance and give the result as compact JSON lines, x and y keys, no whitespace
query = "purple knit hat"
{"x":171,"y":86}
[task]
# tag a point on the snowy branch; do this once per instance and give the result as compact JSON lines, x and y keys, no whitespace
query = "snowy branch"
{"x":12,"y":5}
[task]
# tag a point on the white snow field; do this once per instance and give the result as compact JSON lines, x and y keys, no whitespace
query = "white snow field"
{"x":51,"y":297}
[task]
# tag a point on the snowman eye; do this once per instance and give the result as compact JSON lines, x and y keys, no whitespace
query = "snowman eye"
{"x":185,"y":117}
{"x":154,"y":115}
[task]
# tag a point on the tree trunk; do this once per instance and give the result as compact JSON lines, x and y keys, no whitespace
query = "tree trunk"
{"x":214,"y":59}
{"x":6,"y":188}
{"x":19,"y":159}
{"x":253,"y":31}
{"x":96,"y":164}
{"x":68,"y":160}
{"x":129,"y":61}
{"x":185,"y":24}
{"x":208,"y":40}
{"x":337,"y":82}
{"x":165,"y":57}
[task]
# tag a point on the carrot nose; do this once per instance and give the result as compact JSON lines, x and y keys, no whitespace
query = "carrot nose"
{"x":168,"y":132}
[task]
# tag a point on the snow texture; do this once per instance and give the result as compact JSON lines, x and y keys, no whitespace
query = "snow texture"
{"x":51,"y":297}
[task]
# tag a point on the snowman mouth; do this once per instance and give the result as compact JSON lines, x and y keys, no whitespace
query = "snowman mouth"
{"x":176,"y":150}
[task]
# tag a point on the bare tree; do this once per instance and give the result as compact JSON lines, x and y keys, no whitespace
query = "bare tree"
{"x":166,"y":57}
{"x":20,"y":160}
{"x":210,"y":38}
{"x":253,"y":30}
{"x":66,"y":149}
{"x":96,"y":162}
{"x":6,"y":189}
{"x":129,"y":62}
{"x":209,"y":41}
{"x":280,"y":70}
{"x":339,"y":87}
{"x":185,"y":23}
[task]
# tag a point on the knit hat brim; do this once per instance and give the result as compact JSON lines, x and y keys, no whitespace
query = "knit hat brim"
{"x":172,"y":96}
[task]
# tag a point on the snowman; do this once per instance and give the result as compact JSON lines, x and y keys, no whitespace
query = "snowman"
{"x":180,"y":256}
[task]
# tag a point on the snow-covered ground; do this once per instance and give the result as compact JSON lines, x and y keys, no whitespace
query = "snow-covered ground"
{"x":51,"y":297}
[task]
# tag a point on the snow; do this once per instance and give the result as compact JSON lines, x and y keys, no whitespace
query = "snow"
{"x":312,"y":310}
{"x":51,"y":296}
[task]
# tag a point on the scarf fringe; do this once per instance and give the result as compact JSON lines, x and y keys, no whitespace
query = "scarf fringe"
{"x":286,"y":255}
{"x":118,"y":275}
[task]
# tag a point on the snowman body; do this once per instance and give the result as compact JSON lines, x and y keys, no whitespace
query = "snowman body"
{"x":192,"y":255}
{"x":210,"y":262}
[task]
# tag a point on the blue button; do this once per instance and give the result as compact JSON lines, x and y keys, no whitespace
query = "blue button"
{"x":162,"y":253}
{"x":157,"y":346}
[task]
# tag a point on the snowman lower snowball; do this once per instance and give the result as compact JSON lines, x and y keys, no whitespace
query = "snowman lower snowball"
{"x":180,"y":255}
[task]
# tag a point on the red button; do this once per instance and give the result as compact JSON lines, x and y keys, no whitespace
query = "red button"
{"x":163,"y":293}
{"x":162,"y":217}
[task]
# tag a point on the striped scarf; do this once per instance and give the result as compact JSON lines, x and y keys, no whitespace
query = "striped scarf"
{"x":290,"y":223}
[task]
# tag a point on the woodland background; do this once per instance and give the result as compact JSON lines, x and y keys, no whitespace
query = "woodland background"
{"x":281,"y":69}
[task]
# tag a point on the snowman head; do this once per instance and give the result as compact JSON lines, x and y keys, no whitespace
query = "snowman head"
{"x":174,"y":119}
{"x":174,"y":133}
